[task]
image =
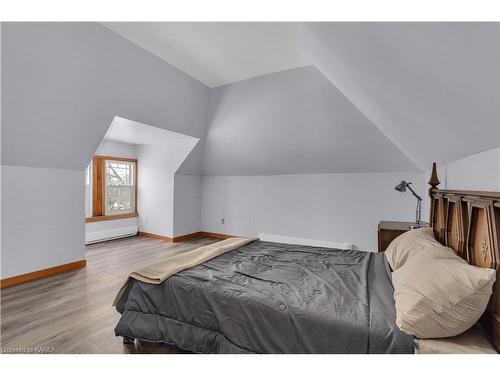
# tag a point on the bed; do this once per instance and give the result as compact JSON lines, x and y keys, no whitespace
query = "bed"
{"x":266,"y":297}
{"x":270,"y":298}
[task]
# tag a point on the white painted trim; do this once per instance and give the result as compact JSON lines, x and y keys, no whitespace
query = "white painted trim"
{"x":110,"y":234}
{"x":304,"y":241}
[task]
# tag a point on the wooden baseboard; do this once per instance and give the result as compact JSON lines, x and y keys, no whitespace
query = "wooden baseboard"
{"x":216,"y":235}
{"x":155,"y":236}
{"x":24,"y":278}
{"x":185,"y":237}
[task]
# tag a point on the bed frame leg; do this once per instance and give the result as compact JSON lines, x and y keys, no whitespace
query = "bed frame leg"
{"x":128,"y":340}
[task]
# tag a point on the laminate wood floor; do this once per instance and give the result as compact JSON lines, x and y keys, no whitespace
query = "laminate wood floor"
{"x":72,"y":312}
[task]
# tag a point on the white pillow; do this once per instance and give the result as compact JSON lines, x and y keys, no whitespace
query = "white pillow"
{"x":437,"y":293}
{"x":410,"y":244}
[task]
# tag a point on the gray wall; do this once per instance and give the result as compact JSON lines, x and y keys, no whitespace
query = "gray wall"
{"x":62,"y":84}
{"x":187,"y":204}
{"x":294,"y":121}
{"x":344,"y":208}
{"x":43,"y":218}
{"x":275,"y":126}
{"x":476,"y":172}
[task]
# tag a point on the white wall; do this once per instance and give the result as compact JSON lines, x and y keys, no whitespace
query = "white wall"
{"x":42,"y":218}
{"x":334,"y":207}
{"x":479,"y":171}
{"x":155,"y":196}
{"x":187,"y":204}
{"x":158,"y":164}
{"x":105,"y":230}
{"x":476,"y":172}
{"x":109,"y":148}
{"x":157,"y":205}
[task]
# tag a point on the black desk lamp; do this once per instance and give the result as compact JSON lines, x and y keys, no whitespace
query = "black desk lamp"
{"x":402,"y":188}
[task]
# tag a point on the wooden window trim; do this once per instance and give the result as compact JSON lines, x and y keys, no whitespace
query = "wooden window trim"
{"x":98,"y":204}
{"x":115,"y":158}
{"x":93,"y":219}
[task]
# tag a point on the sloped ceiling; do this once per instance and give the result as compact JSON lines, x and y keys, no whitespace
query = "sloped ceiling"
{"x":218,"y":53}
{"x":63,"y":83}
{"x":432,"y":88}
{"x":137,"y":133}
{"x":170,"y":148}
{"x":293,"y":122}
{"x":375,"y":97}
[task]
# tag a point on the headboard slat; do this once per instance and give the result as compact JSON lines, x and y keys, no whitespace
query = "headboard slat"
{"x":457,"y":223}
{"x":469,"y":223}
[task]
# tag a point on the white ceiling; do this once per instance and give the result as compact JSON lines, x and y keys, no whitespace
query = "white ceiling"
{"x":396,"y":96}
{"x":217,"y":53}
{"x":432,"y":88}
{"x":137,"y":133}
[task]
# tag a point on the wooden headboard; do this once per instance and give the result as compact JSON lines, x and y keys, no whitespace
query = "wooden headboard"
{"x":469,"y":223}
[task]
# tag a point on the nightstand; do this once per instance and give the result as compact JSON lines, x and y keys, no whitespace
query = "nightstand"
{"x":389,"y":230}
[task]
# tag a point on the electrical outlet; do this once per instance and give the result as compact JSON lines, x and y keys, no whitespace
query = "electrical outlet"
{"x":222,"y":221}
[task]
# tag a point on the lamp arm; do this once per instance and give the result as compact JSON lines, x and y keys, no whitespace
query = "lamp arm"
{"x":413,"y":192}
{"x":418,"y":212}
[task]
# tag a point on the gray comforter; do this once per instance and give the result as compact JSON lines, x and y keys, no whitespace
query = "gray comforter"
{"x":270,"y":298}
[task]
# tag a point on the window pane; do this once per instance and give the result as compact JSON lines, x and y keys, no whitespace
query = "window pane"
{"x":119,"y":173}
{"x":119,"y":189}
{"x":119,"y":199}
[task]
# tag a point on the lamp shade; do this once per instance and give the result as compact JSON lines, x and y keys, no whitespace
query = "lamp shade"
{"x":401,"y":186}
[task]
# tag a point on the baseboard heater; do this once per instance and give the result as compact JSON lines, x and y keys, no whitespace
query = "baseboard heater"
{"x":305,"y":241}
{"x":110,"y":234}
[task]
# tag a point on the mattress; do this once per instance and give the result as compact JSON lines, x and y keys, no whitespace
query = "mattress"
{"x":270,"y":298}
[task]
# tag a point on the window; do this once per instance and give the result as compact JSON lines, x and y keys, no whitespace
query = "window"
{"x":114,"y":188}
{"x":119,"y":188}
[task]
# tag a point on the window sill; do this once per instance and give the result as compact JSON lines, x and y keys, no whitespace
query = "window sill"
{"x":93,"y":219}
